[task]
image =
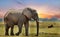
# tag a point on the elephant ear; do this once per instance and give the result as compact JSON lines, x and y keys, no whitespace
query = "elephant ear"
{"x":27,"y":12}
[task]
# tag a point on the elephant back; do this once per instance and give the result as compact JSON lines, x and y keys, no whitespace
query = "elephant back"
{"x":27,"y":13}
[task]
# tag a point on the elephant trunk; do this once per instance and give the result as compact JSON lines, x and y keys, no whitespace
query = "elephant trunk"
{"x":37,"y":27}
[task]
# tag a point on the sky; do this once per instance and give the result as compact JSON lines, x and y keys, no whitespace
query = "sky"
{"x":45,"y":8}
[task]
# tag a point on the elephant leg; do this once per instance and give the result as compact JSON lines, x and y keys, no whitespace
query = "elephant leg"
{"x":20,"y":28}
{"x":12,"y":27}
{"x":6,"y":29}
{"x":26,"y":28}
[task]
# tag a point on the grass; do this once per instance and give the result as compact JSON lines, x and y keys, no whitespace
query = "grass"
{"x":43,"y":30}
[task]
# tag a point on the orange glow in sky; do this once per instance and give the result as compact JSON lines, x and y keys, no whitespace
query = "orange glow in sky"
{"x":43,"y":11}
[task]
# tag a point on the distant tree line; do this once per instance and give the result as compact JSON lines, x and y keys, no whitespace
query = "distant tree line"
{"x":0,"y":19}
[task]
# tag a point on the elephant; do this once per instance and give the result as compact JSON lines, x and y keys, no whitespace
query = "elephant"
{"x":19,"y":19}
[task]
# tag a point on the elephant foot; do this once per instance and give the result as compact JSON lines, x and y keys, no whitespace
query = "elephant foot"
{"x":26,"y":35}
{"x":7,"y":34}
{"x":36,"y":35}
{"x":12,"y":34}
{"x":17,"y":34}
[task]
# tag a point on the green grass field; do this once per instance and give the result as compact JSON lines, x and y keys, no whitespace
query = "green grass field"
{"x":44,"y":31}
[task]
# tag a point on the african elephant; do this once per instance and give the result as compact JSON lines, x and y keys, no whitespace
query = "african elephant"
{"x":19,"y":19}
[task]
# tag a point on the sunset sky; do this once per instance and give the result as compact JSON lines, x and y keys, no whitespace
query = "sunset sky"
{"x":45,"y":8}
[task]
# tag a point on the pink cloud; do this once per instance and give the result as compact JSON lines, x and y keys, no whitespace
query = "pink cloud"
{"x":58,"y":16}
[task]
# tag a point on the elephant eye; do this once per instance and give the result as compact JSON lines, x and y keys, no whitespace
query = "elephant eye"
{"x":34,"y":10}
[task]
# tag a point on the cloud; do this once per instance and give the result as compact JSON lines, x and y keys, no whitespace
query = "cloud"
{"x":58,"y":16}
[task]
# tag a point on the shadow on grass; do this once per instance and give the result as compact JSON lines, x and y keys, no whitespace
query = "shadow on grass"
{"x":42,"y":34}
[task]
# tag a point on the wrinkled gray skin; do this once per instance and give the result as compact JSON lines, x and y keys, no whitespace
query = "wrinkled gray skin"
{"x":19,"y":19}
